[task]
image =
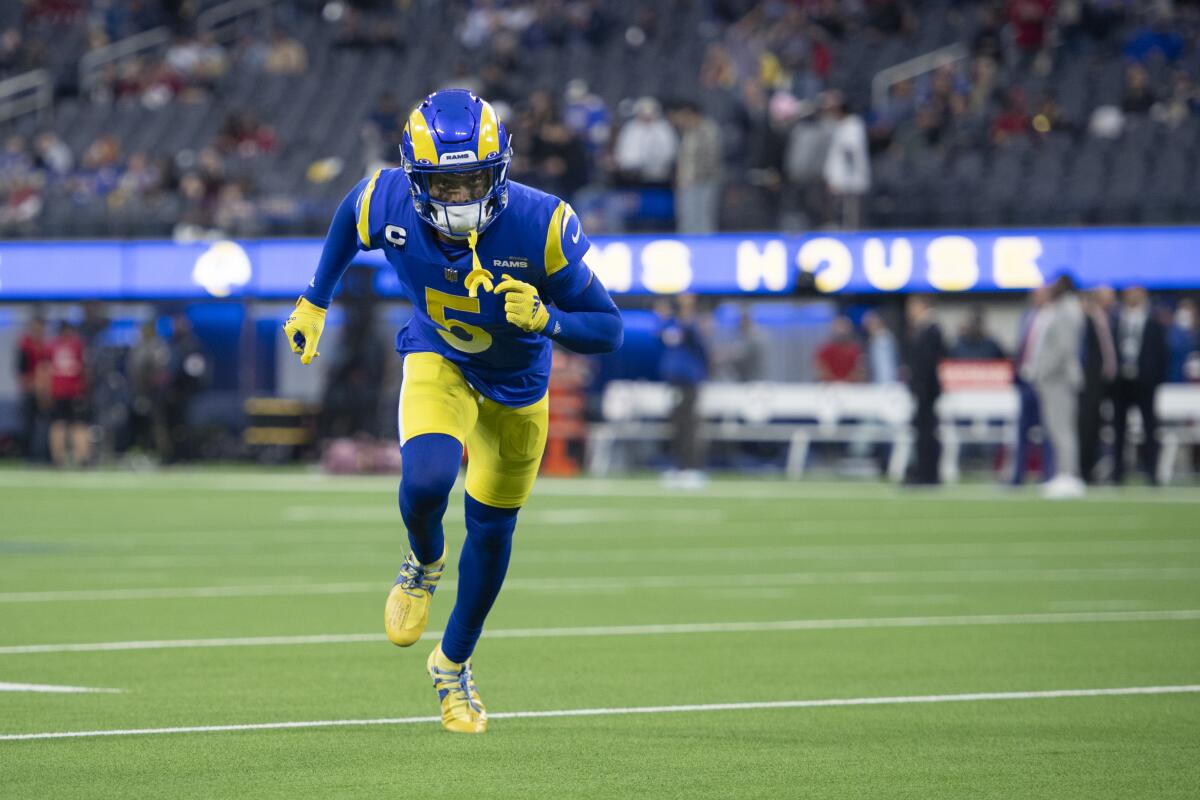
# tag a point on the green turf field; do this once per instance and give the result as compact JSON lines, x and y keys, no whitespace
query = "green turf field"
{"x":244,"y":598}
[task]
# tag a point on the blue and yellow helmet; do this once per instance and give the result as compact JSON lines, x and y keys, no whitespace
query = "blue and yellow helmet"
{"x":455,"y":152}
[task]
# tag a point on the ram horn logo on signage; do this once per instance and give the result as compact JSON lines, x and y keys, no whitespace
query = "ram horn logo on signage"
{"x":460,"y":156}
{"x":222,"y":268}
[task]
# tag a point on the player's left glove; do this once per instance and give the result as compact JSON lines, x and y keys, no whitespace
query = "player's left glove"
{"x":303,"y":329}
{"x":522,"y":306}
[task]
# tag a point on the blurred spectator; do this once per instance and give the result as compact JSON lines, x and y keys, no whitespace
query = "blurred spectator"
{"x":984,"y":76}
{"x":1139,"y":95}
{"x":68,"y":391}
{"x":1013,"y":119}
{"x":804,"y":168}
{"x":52,"y":154}
{"x":352,"y":389}
{"x":15,"y":161}
{"x":587,"y":116}
{"x":244,"y":134}
{"x":1030,"y":22}
{"x":140,"y":177}
{"x":1158,"y":39}
{"x":1029,"y":415}
{"x":148,"y":368}
{"x":13,"y":56}
{"x":1183,"y":342}
{"x":358,"y":30}
{"x":235,"y":214}
{"x":1181,"y":104}
{"x":387,"y":117}
{"x":32,"y":352}
{"x":883,"y":360}
{"x":847,"y":166}
{"x":988,"y":41}
{"x":1099,"y":371}
{"x":1051,"y":119}
{"x":1141,"y":346}
{"x":198,"y":61}
{"x":697,"y":171}
{"x":285,"y":55}
{"x":684,"y":365}
{"x":743,"y":356}
{"x":646,"y":146}
{"x":840,"y":358}
{"x":926,"y":349}
{"x":559,"y":158}
{"x":974,"y":342}
{"x":890,"y":16}
{"x":189,"y":374}
{"x":900,"y":108}
{"x":1058,"y":379}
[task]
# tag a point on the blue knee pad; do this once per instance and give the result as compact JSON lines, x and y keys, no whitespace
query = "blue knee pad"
{"x":430,"y":464}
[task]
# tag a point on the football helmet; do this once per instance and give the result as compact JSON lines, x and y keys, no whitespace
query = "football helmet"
{"x":455,"y":152}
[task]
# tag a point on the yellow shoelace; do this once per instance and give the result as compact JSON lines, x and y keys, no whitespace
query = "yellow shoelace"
{"x":478,"y":275}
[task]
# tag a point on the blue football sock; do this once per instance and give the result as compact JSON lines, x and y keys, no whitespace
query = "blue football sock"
{"x":481,"y":569}
{"x":430,"y":464}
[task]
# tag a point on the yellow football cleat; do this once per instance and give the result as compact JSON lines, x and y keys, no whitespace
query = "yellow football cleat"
{"x":462,"y":710}
{"x":407,"y":610}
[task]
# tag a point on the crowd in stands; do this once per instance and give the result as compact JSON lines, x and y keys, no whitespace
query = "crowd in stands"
{"x":773,"y":127}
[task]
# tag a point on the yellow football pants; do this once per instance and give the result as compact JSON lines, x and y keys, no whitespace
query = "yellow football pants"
{"x":504,"y":445}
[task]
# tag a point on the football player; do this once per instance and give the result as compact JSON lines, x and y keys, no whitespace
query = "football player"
{"x":481,"y":258}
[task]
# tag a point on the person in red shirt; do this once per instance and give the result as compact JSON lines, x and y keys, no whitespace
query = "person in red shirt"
{"x":840,"y":359}
{"x":1030,"y":21}
{"x":31,"y":353}
{"x":66,"y":380}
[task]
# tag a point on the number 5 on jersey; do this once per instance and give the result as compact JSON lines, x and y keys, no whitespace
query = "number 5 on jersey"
{"x":458,"y":334}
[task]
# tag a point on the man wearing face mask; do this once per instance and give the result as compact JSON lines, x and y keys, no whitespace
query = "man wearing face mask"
{"x":481,"y":259}
{"x":1141,"y":344}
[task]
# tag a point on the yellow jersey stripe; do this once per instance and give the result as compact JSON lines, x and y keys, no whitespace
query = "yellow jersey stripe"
{"x":364,"y":211}
{"x":555,"y":259}
{"x":418,"y":130}
{"x":489,"y":132}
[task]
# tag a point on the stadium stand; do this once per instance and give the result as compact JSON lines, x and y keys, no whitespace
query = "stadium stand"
{"x":253,"y":117}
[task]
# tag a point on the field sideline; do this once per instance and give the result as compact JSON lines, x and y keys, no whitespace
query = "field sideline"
{"x":217,"y":633}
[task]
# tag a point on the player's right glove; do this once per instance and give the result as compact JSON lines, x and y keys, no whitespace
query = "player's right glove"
{"x":522,"y":306}
{"x":303,"y":329}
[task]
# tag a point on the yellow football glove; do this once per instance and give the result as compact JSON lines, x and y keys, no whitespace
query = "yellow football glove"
{"x":522,"y":306}
{"x":303,"y":329}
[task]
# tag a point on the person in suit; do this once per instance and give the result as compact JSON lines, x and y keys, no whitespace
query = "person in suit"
{"x":1141,"y":345}
{"x":926,"y":349}
{"x":1099,"y":371}
{"x":1058,"y":379}
{"x":1029,"y":415}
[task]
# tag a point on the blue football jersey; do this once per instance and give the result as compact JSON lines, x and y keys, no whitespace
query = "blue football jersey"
{"x":537,"y":239}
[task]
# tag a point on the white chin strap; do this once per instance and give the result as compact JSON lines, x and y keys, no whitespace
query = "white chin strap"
{"x":461,"y":219}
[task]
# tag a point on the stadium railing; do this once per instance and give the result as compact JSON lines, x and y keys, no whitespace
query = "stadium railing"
{"x":28,"y":93}
{"x":799,"y":415}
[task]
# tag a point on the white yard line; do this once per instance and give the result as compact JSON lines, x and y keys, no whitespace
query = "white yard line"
{"x":833,"y":702}
{"x":47,"y":688}
{"x":1184,"y":615}
{"x":628,"y":583}
{"x":861,"y":552}
{"x":206,"y":481}
{"x":588,"y":515}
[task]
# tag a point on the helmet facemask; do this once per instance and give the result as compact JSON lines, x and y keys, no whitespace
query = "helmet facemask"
{"x":462,"y":198}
